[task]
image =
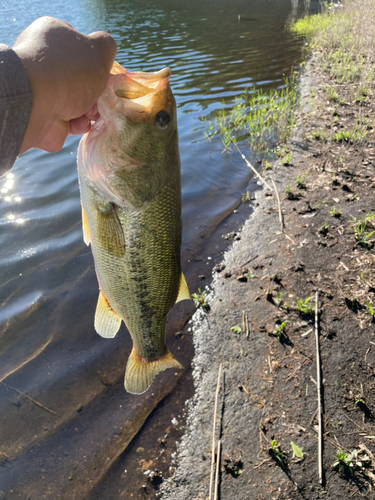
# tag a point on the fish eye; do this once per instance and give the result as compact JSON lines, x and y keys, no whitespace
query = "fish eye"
{"x":162,"y":119}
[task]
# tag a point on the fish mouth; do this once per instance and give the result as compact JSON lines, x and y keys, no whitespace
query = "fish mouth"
{"x":138,"y":84}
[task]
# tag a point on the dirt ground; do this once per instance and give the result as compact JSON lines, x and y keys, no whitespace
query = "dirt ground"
{"x":268,"y":388}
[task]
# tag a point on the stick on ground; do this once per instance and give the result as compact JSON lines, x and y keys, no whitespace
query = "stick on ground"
{"x":278,"y":204}
{"x":217,"y":470}
{"x":213,"y":434}
{"x":318,"y":385}
{"x":253,"y":168}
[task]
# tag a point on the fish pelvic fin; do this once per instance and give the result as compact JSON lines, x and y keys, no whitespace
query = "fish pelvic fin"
{"x":85,"y":227}
{"x":107,"y":323}
{"x":183,"y":290}
{"x":140,"y":373}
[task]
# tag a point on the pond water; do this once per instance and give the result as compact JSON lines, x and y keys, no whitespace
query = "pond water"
{"x":66,"y":423}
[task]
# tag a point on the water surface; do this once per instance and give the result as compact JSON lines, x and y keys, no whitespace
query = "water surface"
{"x":66,"y":422}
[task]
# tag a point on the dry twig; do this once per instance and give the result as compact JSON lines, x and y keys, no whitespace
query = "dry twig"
{"x":279,"y":205}
{"x":214,"y":432}
{"x":30,"y":399}
{"x":252,"y":168}
{"x":318,"y":385}
{"x":217,"y":469}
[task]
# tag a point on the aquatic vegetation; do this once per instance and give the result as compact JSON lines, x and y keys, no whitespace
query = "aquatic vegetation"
{"x":262,"y":118}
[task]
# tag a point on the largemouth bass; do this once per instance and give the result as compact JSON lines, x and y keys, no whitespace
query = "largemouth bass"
{"x":129,"y":176}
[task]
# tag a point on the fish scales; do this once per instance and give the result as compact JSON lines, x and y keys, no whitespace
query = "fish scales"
{"x":135,"y":244}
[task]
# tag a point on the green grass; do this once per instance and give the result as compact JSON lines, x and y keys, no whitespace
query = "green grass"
{"x":319,"y":135}
{"x":199,"y":299}
{"x":262,"y":118}
{"x":324,"y":229}
{"x":335,"y":213}
{"x":360,"y":229}
{"x":246,"y":197}
{"x":303,"y":307}
{"x":332,"y":94}
{"x":345,"y":38}
{"x":279,"y":331}
{"x":301,"y":180}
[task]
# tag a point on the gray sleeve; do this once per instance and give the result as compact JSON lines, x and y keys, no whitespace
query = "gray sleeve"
{"x":16,"y":99}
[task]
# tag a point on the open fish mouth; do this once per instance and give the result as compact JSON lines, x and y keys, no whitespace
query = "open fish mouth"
{"x":137,"y":96}
{"x":138,"y":82}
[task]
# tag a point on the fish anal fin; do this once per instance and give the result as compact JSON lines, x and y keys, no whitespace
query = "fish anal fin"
{"x":85,"y":227}
{"x":183,"y":290}
{"x":107,"y":322}
{"x":140,"y":373}
{"x":110,"y":232}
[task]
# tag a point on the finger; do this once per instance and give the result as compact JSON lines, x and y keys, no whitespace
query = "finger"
{"x":106,"y":48}
{"x":79,"y":125}
{"x":92,"y":113}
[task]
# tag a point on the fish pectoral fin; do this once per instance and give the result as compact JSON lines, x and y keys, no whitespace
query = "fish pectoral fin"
{"x":140,"y":373}
{"x":107,"y":322}
{"x":183,"y":290}
{"x":110,"y":232}
{"x":85,"y":227}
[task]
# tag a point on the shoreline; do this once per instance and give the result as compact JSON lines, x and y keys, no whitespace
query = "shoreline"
{"x":268,"y":388}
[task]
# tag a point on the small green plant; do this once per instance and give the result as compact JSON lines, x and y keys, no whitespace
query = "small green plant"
{"x":200,"y":299}
{"x":267,"y":165}
{"x":279,"y":299}
{"x":347,"y":462}
{"x":250,"y":275}
{"x":246,"y":197}
{"x":235,"y":329}
{"x":359,"y":229}
{"x":296,"y":450}
{"x":279,"y":331}
{"x":332,"y":94}
{"x":290,"y":195}
{"x":285,"y":160}
{"x":370,"y":310}
{"x":303,"y":307}
{"x":301,"y":180}
{"x":319,"y":135}
{"x":324,"y":229}
{"x":276,"y":453}
{"x":335,"y":213}
{"x":342,"y":136}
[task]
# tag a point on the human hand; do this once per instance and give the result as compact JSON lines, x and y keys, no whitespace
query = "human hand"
{"x":68,"y":71}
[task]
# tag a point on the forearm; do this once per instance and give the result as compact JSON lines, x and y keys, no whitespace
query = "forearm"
{"x":16,"y":99}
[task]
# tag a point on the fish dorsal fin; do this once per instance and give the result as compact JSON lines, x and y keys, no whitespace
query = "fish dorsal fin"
{"x":110,"y":232}
{"x":140,"y":373}
{"x":107,"y":322}
{"x":85,"y":227}
{"x":183,"y":290}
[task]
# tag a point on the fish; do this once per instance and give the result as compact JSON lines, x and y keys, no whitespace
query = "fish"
{"x":130,"y":186}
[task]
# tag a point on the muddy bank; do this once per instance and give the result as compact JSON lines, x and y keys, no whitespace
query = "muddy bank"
{"x":268,"y":387}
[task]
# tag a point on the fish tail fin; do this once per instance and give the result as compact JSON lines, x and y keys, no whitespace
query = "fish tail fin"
{"x":139,"y":373}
